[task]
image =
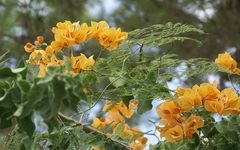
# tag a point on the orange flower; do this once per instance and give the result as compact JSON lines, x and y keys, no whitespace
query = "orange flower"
{"x":111,"y":38}
{"x":180,"y":91}
{"x":135,"y":102}
{"x":82,"y":63}
{"x":29,"y":47}
{"x":215,"y":106}
{"x":38,"y":57}
{"x":97,"y":27}
{"x":231,"y":101}
{"x":99,"y":123}
{"x":169,"y":109}
{"x":117,"y":112}
{"x":172,"y":134}
{"x":71,"y":33}
{"x":39,"y":40}
{"x":125,"y":111}
{"x":190,"y":98}
{"x":139,"y":144}
{"x":209,"y":91}
{"x":225,"y":60}
{"x":192,"y":124}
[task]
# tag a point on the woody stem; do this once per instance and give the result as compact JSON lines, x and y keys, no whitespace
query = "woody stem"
{"x":90,"y":129}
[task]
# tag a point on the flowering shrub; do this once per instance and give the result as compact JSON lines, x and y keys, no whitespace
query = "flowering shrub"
{"x":45,"y":99}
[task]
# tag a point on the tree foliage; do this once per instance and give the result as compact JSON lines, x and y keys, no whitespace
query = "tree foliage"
{"x":126,"y":73}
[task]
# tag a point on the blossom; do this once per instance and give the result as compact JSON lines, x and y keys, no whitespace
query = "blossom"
{"x":111,"y":38}
{"x":29,"y":47}
{"x":215,"y":106}
{"x":68,"y":33}
{"x":225,"y":60}
{"x":38,"y":57}
{"x":139,"y":143}
{"x":39,"y":40}
{"x":81,"y":62}
{"x":169,"y":109}
{"x":226,"y":103}
{"x":208,"y":91}
{"x":172,"y":134}
{"x":192,"y":124}
{"x":99,"y":123}
{"x":98,"y":27}
{"x":190,"y":98}
{"x":118,"y":112}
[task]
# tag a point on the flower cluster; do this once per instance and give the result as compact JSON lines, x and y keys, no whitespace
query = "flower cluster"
{"x":173,"y":113}
{"x":226,"y":61}
{"x":115,"y":118}
{"x":67,"y":34}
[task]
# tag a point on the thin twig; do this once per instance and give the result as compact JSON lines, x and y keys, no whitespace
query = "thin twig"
{"x":99,"y":98}
{"x":141,"y":52}
{"x":230,"y":80}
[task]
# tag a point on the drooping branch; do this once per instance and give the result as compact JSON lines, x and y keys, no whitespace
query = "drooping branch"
{"x":90,"y":129}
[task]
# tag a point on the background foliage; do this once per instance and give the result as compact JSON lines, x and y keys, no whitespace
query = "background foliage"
{"x":23,"y":20}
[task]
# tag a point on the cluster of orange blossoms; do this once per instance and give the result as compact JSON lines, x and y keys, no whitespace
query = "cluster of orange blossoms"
{"x":67,"y":34}
{"x":116,"y":115}
{"x":172,"y":112}
{"x":226,"y":61}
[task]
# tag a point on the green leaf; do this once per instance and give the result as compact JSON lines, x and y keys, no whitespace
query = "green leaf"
{"x":3,"y":94}
{"x":23,"y":85}
{"x":18,"y":70}
{"x":19,"y":111}
{"x":6,"y":73}
{"x":59,"y":94}
{"x":5,"y":122}
{"x":27,"y":125}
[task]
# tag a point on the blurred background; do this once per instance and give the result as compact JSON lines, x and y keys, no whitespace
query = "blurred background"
{"x":22,"y":20}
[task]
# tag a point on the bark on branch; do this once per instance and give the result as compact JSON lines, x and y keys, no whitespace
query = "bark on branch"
{"x":90,"y":129}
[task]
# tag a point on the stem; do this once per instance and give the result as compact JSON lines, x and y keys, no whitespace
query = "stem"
{"x":141,"y":53}
{"x":229,"y":78}
{"x":90,"y":129}
{"x":99,"y":98}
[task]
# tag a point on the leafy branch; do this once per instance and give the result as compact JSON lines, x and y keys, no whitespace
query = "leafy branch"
{"x":90,"y":129}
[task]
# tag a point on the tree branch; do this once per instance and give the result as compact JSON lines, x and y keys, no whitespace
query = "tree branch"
{"x":90,"y":129}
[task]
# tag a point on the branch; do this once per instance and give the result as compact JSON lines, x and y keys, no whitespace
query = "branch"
{"x":141,"y":52}
{"x":90,"y":129}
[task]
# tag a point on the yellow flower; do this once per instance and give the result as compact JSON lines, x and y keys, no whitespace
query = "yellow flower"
{"x":125,"y":111}
{"x":55,"y":46}
{"x":172,"y":134}
{"x":139,"y":143}
{"x":190,"y":98}
{"x":42,"y":70}
{"x":38,"y":57}
{"x":192,"y":124}
{"x":98,"y":27}
{"x":231,"y":101}
{"x":214,"y":106}
{"x":99,"y":123}
{"x":71,"y":33}
{"x":54,"y":61}
{"x":111,"y":38}
{"x":180,"y":91}
{"x":82,"y":63}
{"x":169,"y":109}
{"x":118,"y":112}
{"x":39,"y":40}
{"x":209,"y":91}
{"x":225,"y":60}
